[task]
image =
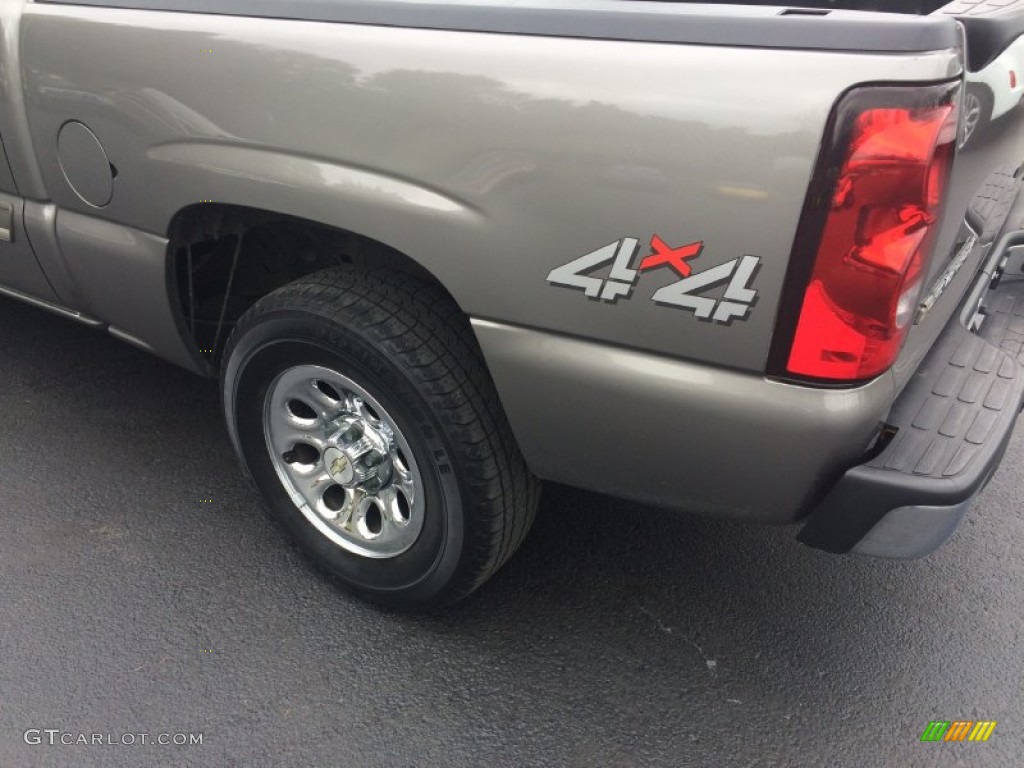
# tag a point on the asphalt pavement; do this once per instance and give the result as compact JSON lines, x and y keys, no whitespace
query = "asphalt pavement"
{"x":144,"y":591}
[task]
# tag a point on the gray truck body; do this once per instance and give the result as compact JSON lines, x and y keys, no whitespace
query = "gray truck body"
{"x":491,"y":143}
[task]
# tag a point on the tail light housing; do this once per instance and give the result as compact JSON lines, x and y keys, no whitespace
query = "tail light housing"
{"x":867,"y":233}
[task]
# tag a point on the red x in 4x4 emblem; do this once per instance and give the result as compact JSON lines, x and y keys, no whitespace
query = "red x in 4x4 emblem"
{"x":676,"y":257}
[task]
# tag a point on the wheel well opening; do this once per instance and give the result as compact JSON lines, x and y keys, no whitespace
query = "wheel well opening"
{"x":225,"y":258}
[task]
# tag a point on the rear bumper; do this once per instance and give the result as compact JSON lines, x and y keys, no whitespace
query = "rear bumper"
{"x":952,"y":425}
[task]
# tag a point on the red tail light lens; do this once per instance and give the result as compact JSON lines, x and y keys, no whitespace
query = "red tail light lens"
{"x":880,"y":196}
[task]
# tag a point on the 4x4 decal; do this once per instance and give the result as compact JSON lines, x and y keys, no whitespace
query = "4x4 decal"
{"x":686,"y":293}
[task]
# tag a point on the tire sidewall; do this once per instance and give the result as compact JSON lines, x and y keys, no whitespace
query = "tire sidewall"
{"x":286,"y":338}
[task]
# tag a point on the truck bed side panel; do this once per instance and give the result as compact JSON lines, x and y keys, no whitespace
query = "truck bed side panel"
{"x":476,"y":154}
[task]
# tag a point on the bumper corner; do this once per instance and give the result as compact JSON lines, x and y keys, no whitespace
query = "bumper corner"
{"x":952,"y":424}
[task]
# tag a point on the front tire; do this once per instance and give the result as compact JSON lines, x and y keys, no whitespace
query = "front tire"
{"x":361,"y":408}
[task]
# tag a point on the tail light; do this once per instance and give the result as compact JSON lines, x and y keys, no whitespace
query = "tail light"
{"x":867,"y":233}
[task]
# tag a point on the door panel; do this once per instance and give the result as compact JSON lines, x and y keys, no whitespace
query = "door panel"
{"x":6,"y":178}
{"x":18,"y":266}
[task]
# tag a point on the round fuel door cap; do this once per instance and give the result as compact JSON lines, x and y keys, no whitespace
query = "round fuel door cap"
{"x":84,"y":164}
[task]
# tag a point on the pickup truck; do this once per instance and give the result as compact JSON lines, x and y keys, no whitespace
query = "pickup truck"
{"x":735,"y":259}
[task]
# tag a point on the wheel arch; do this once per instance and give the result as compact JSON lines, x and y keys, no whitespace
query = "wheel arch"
{"x":983,"y":90}
{"x":223,"y":257}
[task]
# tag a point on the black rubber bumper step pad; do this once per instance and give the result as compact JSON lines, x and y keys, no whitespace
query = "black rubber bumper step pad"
{"x":992,"y":206}
{"x":962,"y":398}
{"x":953,"y":423}
{"x":1004,"y":318}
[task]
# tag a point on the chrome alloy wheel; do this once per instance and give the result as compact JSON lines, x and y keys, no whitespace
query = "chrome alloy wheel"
{"x":343,"y":461}
{"x":972,"y":109}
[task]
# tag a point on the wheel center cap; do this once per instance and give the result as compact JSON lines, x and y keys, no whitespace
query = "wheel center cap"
{"x":339,"y":466}
{"x":358,"y":454}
